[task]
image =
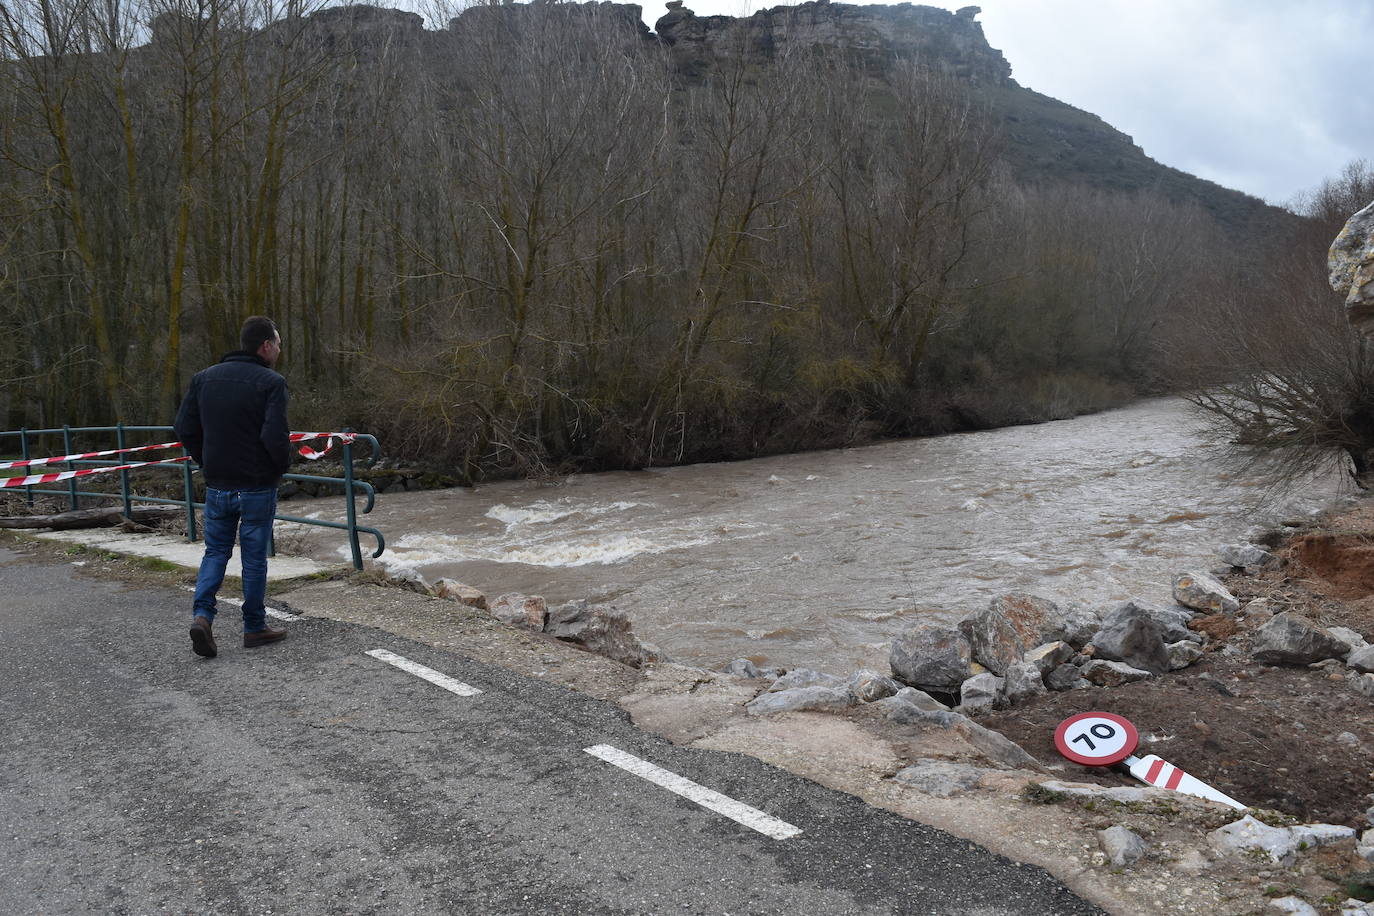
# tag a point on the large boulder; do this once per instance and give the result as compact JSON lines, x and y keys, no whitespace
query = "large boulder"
{"x":803,"y":677}
{"x":1002,"y":632}
{"x":1112,"y":674}
{"x":1351,"y":265}
{"x":1049,"y":656}
{"x":453,"y":590}
{"x":1247,"y":557}
{"x":1203,"y":592}
{"x":1173,"y":620}
{"x":910,"y":697}
{"x":980,"y":693}
{"x":1023,"y":681}
{"x":1076,"y":625}
{"x":1362,"y":660}
{"x":1130,"y":634}
{"x":870,"y":686}
{"x":527,"y":611}
{"x":800,"y":699}
{"x":1292,"y":639}
{"x":597,"y":628}
{"x":931,"y":656}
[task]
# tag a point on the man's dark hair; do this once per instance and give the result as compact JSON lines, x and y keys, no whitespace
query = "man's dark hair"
{"x":256,"y":332}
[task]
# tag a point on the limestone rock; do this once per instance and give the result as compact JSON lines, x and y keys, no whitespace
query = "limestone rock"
{"x":1049,"y":656}
{"x":1112,"y":674}
{"x":980,"y":693}
{"x":1313,"y":835}
{"x":799,"y":699}
{"x":1023,"y":681}
{"x":1001,"y":633}
{"x":931,"y":656}
{"x":528,"y":611}
{"x":744,"y":667}
{"x":1122,"y":846}
{"x":1247,"y":557}
{"x":1293,"y":906}
{"x":803,"y":677}
{"x":1130,"y":634}
{"x":1364,"y":684}
{"x":1292,"y":639}
{"x":993,"y":745}
{"x":910,"y":696}
{"x":1183,"y":654}
{"x":1276,"y":843}
{"x":1202,"y":592}
{"x":453,"y":590}
{"x":1076,"y":624}
{"x":596,"y":628}
{"x":940,"y":778}
{"x":1351,"y":265}
{"x":1362,"y":660}
{"x":1350,"y":637}
{"x":1066,"y":677}
{"x":870,"y":686}
{"x":909,"y":714}
{"x":1123,"y":794}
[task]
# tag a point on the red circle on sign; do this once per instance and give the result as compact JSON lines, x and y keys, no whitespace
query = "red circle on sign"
{"x":1100,"y":739}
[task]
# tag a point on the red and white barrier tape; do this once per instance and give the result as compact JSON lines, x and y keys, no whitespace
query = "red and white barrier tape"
{"x":34,"y":479}
{"x":330,"y":438}
{"x":34,"y":462}
{"x":305,"y":451}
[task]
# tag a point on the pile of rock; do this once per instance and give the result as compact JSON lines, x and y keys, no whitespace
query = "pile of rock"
{"x":594,"y":627}
{"x":1021,"y":646}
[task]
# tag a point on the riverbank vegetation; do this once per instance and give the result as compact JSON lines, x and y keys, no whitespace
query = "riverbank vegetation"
{"x":528,"y":242}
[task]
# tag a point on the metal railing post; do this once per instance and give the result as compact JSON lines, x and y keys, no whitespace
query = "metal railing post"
{"x":348,"y":497}
{"x":71,"y":465}
{"x":24,"y":445}
{"x":189,"y":493}
{"x":123,"y":475}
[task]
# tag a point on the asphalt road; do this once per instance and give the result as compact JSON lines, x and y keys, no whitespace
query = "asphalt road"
{"x":309,"y":777}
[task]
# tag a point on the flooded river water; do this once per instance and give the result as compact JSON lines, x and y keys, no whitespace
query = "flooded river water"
{"x":817,"y":559}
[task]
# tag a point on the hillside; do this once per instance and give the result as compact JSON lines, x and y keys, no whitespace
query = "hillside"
{"x":1046,"y":139}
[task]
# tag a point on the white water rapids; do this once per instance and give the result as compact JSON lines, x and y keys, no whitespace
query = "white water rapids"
{"x":817,"y":559}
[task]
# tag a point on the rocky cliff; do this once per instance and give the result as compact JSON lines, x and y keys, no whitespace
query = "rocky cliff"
{"x":1046,"y":139}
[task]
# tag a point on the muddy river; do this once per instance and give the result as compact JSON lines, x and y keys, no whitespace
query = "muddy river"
{"x":818,"y":559}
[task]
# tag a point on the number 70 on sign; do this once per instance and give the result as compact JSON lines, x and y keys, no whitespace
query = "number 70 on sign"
{"x":1099,"y":739}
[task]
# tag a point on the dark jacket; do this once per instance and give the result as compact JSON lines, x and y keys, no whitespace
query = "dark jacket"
{"x":233,"y":422}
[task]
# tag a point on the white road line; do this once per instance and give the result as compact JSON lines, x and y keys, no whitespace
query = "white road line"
{"x":429,"y":674}
{"x":238,"y":602}
{"x":708,"y":798}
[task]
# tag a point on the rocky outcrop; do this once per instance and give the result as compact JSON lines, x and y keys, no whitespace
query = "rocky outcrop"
{"x":1351,"y":263}
{"x":873,"y":36}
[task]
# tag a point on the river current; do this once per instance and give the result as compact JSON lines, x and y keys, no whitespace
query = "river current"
{"x":819,"y":559}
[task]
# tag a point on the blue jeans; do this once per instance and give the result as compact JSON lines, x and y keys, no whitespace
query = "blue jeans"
{"x":249,"y":513}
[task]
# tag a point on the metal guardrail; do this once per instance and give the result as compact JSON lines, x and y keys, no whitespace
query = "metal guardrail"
{"x":351,"y":487}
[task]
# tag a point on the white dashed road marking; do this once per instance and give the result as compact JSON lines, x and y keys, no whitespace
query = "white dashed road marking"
{"x":708,"y":798}
{"x":429,"y":674}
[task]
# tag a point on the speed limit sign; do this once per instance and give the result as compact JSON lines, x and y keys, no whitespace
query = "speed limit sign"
{"x":1096,"y":739}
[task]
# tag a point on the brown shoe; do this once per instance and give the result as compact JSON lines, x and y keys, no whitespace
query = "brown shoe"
{"x":202,"y":640}
{"x":263,"y":637}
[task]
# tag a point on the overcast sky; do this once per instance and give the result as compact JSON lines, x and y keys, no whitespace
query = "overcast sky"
{"x":1265,"y":96}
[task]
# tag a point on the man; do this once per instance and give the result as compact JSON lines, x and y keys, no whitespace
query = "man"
{"x":233,"y":422}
